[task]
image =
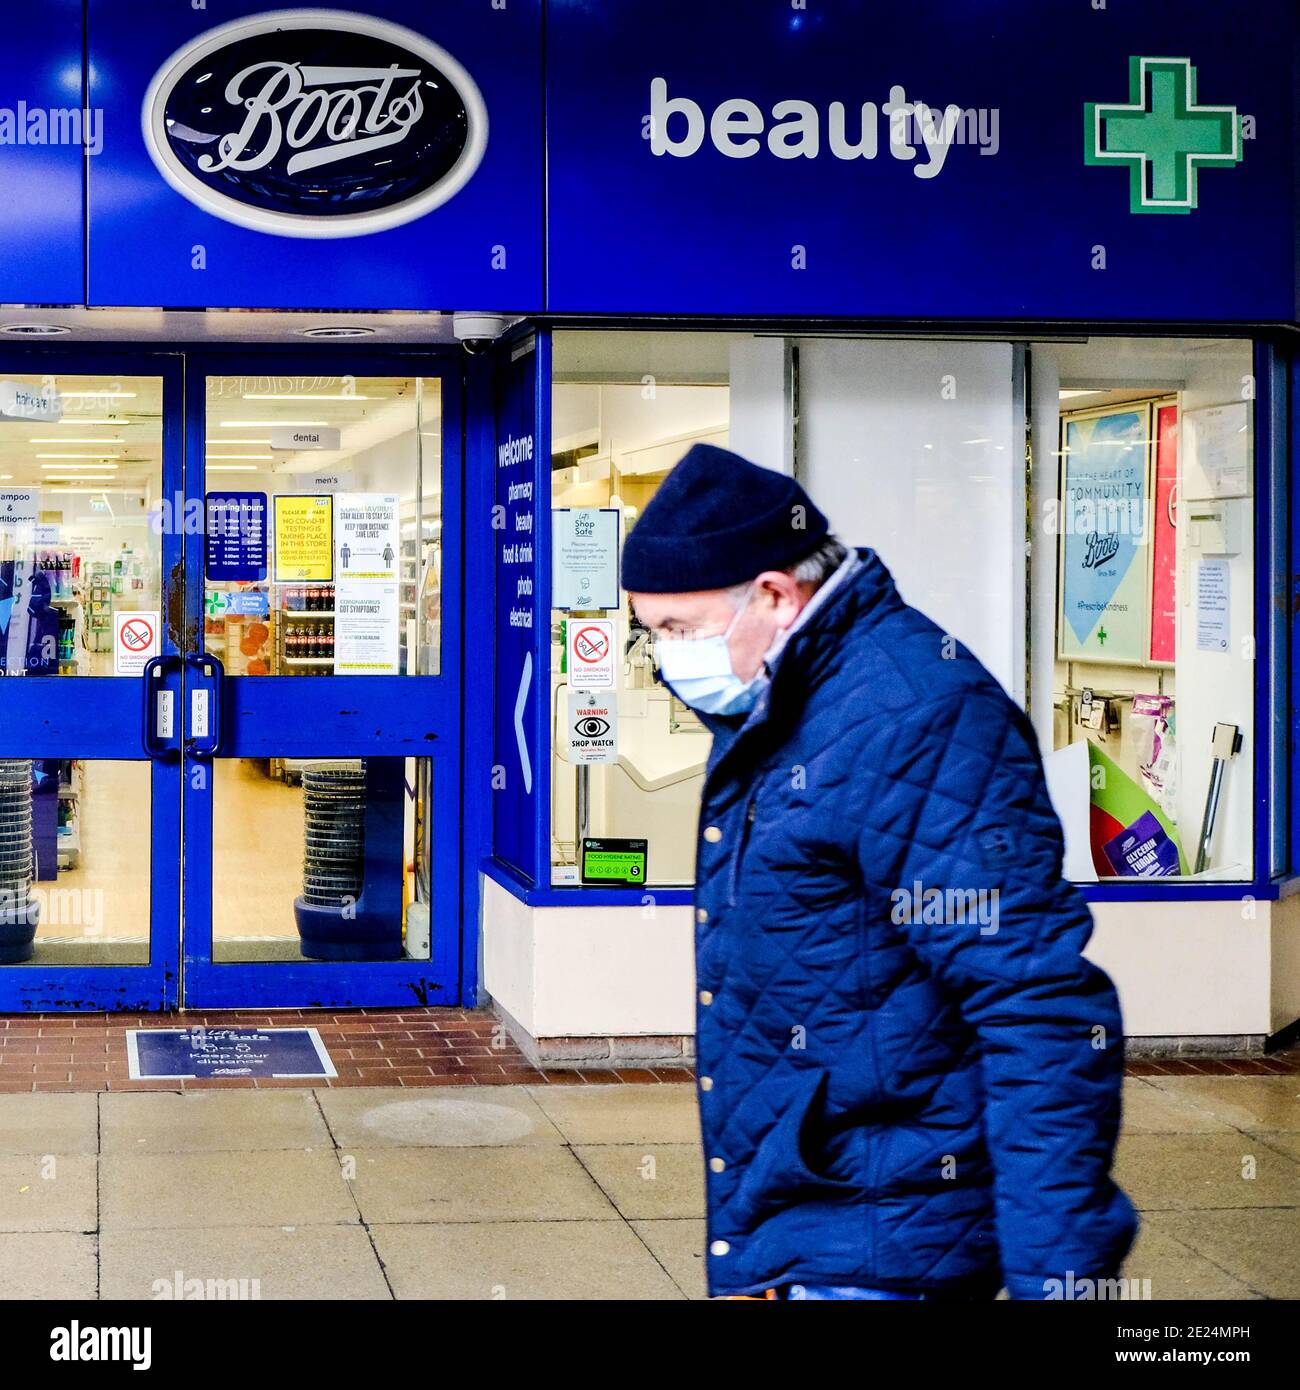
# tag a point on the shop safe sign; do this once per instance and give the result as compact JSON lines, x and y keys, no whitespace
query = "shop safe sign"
{"x":314,"y":123}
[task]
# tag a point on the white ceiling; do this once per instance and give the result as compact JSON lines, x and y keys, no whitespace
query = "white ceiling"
{"x":216,"y":327}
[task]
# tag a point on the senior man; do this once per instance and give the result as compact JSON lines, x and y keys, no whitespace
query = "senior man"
{"x":909,"y":1075}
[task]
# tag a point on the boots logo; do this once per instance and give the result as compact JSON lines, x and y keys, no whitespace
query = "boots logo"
{"x":314,"y":123}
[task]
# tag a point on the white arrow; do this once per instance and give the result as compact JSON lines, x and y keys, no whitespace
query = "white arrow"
{"x":520,"y":738}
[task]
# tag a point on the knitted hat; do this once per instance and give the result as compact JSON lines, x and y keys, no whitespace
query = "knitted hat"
{"x":718,"y":520}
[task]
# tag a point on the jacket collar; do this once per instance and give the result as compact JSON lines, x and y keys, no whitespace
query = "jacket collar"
{"x":810,"y":656}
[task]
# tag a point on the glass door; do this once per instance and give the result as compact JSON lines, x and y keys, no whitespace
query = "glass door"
{"x":90,"y":594}
{"x":322,"y":684}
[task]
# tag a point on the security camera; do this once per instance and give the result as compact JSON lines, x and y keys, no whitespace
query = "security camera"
{"x":477,"y":332}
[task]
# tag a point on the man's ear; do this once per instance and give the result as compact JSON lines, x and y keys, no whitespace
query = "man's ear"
{"x":783,"y":591}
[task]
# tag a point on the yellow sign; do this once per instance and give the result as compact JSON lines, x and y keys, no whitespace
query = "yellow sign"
{"x":304,"y":539}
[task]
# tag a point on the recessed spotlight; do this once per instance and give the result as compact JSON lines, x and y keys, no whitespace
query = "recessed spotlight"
{"x":338,"y":331}
{"x":34,"y":330}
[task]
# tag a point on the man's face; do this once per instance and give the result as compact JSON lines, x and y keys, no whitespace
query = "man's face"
{"x":773,"y":604}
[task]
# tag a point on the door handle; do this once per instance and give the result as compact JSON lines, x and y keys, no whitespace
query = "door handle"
{"x":203,"y":737}
{"x":159,"y":735}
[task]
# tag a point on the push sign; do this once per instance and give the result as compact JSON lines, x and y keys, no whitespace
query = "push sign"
{"x":593,"y":729}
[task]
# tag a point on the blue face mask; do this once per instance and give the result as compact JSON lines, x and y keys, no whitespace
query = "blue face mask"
{"x":700,"y":673}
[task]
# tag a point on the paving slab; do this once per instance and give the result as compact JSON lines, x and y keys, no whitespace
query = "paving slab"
{"x":648,"y":1180}
{"x":269,"y":1188}
{"x":1175,"y":1270}
{"x":48,"y":1124}
{"x":1149,"y":1109}
{"x":1245,"y":1102}
{"x":50,"y":1193}
{"x":678,"y":1245}
{"x":666,"y":1114}
{"x":1256,"y":1246}
{"x":47,"y":1265}
{"x":210,"y":1121}
{"x":568,"y":1260}
{"x":471,"y":1116}
{"x":537,"y":1183}
{"x":1163,"y":1172}
{"x":241,"y":1262}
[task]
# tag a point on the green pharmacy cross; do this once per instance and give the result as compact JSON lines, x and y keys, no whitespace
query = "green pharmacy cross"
{"x":1162,"y":135}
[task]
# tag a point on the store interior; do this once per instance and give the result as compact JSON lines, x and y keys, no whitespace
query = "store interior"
{"x":1127,"y":630}
{"x":82,"y":509}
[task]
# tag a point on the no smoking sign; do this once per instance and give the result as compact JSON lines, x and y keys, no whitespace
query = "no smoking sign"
{"x":135,"y":640}
{"x":590,"y":662}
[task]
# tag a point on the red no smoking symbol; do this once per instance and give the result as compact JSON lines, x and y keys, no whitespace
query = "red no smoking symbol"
{"x":137,"y":634}
{"x":591,"y":645}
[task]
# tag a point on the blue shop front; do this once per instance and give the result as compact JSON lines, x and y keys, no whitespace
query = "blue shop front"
{"x":340,"y":348}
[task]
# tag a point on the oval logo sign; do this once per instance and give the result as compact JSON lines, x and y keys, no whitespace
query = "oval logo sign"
{"x":314,"y":123}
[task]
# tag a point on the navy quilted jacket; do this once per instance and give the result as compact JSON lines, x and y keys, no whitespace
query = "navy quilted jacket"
{"x":909,"y":1075}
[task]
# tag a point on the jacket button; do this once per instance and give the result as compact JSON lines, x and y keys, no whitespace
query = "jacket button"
{"x":706,"y":1083}
{"x":716,"y":1165}
{"x":719,"y":1247}
{"x":701,"y":915}
{"x":712,"y":834}
{"x":706,"y":998}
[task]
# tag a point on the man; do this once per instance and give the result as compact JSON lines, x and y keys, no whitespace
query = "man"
{"x":909,"y":1075}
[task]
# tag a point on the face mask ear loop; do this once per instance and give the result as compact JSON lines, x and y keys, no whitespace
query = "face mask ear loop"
{"x":744,"y":603}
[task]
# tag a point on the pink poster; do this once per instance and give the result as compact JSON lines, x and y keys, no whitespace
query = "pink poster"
{"x":1164,"y":543}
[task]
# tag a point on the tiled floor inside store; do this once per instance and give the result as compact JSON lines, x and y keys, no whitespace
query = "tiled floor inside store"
{"x":528,"y":1191}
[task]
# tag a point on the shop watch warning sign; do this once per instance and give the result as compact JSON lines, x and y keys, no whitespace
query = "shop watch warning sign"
{"x":593,"y":729}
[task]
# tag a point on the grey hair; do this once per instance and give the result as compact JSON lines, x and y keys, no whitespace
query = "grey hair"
{"x":815,"y":568}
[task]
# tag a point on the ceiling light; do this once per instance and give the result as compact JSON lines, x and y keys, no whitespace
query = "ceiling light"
{"x":56,"y":440}
{"x":338,"y":331}
{"x":1070,"y":394}
{"x":82,"y":420}
{"x":340,"y":396}
{"x":266,"y":457}
{"x":101,"y":458}
{"x":98,"y":479}
{"x":99,"y":490}
{"x":233,"y":468}
{"x":230,"y":442}
{"x":79,"y":467}
{"x":34,"y":330}
{"x":274,"y":424}
{"x":97,"y":395}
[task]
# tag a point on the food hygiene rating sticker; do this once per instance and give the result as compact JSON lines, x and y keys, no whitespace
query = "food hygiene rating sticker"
{"x":614,"y":861}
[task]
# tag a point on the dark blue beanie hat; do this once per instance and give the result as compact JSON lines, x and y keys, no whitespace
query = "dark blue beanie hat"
{"x":718,"y":520}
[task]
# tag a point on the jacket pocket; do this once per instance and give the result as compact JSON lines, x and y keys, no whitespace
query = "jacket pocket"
{"x":737,"y":859}
{"x":786,"y":1168}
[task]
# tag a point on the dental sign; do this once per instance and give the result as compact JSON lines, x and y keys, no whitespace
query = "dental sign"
{"x":314,"y":123}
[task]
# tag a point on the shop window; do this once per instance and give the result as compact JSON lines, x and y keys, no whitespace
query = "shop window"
{"x":321,"y":859}
{"x":325,"y":525}
{"x":75,"y":879}
{"x":1126,"y":627}
{"x":625,"y":408}
{"x":80,"y":471}
{"x":1143,"y":631}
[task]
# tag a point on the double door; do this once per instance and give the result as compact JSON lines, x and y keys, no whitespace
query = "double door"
{"x":229,"y":682}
